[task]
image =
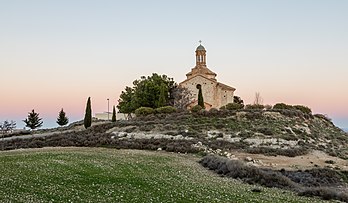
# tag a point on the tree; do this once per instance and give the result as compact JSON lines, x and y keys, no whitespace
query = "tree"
{"x":146,"y":92}
{"x":113,"y":118}
{"x":33,"y":120}
{"x":238,"y":100}
{"x":200,"y":96}
{"x":125,"y":103}
{"x":62,"y":119}
{"x":258,"y":99}
{"x":7,"y":126}
{"x":181,"y":97}
{"x":87,"y":121}
{"x":163,"y":97}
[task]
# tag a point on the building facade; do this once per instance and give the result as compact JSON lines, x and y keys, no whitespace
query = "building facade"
{"x":215,"y":94}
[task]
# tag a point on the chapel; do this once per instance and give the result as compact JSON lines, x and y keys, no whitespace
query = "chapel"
{"x":215,"y":94}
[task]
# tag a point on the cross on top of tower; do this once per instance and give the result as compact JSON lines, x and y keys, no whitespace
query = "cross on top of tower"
{"x":200,"y":41}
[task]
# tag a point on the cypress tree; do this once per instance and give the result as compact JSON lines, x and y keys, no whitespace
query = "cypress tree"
{"x":33,"y":120}
{"x":200,"y":97}
{"x":113,"y":119}
{"x":87,"y":121}
{"x":62,"y":119}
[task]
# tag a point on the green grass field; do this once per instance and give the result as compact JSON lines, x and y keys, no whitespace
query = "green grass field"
{"x":110,"y":175}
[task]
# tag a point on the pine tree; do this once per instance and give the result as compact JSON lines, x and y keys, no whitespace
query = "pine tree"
{"x":62,"y":119}
{"x":113,"y":119}
{"x":33,"y":120}
{"x":200,"y":96}
{"x":87,"y":121}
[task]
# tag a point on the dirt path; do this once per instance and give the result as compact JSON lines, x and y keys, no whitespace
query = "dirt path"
{"x":313,"y":159}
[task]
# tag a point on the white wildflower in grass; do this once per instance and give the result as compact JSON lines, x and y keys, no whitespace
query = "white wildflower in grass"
{"x":110,"y":175}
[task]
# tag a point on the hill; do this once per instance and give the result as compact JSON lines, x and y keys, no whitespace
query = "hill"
{"x":283,"y":132}
{"x":110,"y":175}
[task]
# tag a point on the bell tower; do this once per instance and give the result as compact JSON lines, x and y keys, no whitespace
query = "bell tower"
{"x":200,"y":55}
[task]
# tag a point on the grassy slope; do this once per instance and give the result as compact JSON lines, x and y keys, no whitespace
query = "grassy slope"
{"x":109,"y":175}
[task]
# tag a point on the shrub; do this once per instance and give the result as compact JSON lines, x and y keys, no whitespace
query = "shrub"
{"x":323,"y":117}
{"x":143,"y":111}
{"x":255,"y":106}
{"x":282,"y":106}
{"x":196,"y":109}
{"x":324,"y":193}
{"x":166,"y":109}
{"x":291,"y":180}
{"x":330,"y":162}
{"x":290,"y":152}
{"x":232,"y":106}
{"x":213,"y":112}
{"x":303,"y":109}
{"x":249,"y":174}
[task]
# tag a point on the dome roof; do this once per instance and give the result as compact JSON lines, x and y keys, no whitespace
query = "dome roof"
{"x":200,"y":48}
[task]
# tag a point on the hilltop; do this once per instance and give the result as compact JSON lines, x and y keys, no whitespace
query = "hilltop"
{"x":278,"y":142}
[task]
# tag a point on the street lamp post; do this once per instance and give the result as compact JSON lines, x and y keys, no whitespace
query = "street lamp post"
{"x":108,"y":109}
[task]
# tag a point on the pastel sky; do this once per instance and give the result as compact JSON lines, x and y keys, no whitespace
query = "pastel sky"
{"x":56,"y":53}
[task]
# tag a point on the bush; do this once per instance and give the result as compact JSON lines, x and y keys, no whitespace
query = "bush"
{"x":143,"y":111}
{"x":303,"y":109}
{"x":290,"y":152}
{"x":323,"y":117}
{"x":255,"y":106}
{"x":196,"y":109}
{"x":324,"y":193}
{"x":232,"y":106}
{"x":249,"y":174}
{"x":166,"y":109}
{"x":213,"y":112}
{"x":296,"y":181}
{"x":282,"y":106}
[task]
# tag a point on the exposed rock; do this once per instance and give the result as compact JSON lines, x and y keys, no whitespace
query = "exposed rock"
{"x":248,"y":159}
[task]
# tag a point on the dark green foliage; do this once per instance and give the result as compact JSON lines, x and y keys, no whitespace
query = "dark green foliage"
{"x":238,"y":100}
{"x":255,"y":106}
{"x":33,"y":120}
{"x":282,"y":106}
{"x":113,"y":118}
{"x":323,"y":117}
{"x":87,"y":121}
{"x":166,"y":109}
{"x":303,"y":109}
{"x":196,"y":108}
{"x":200,"y":97}
{"x":232,"y":106}
{"x":143,"y":111}
{"x":62,"y":118}
{"x":213,"y":112}
{"x":290,"y":152}
{"x":125,"y":103}
{"x":163,"y":97}
{"x":152,"y":91}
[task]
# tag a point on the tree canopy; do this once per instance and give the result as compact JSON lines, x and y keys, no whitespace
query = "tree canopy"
{"x":33,"y":120}
{"x":62,"y":118}
{"x":87,"y":121}
{"x":153,"y":91}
